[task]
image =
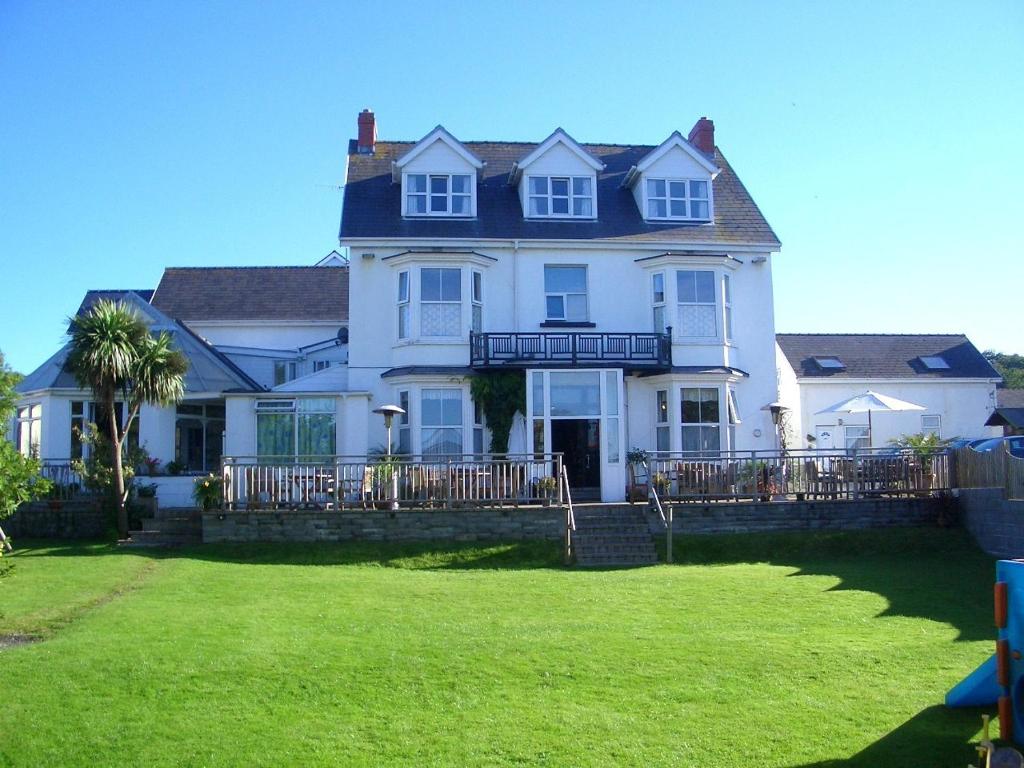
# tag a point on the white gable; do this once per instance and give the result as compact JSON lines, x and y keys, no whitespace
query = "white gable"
{"x":675,"y":163}
{"x":438,"y":157}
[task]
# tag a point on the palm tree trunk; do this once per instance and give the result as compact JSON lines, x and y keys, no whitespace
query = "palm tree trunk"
{"x":115,"y":440}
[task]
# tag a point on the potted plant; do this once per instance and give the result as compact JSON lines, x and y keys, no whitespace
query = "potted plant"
{"x":546,"y":487}
{"x":662,"y":484}
{"x":208,"y":492}
{"x":152,"y":466}
{"x":636,"y":462}
{"x":145,"y":497}
{"x":175,"y":468}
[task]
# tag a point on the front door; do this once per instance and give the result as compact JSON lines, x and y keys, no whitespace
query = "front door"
{"x":826,"y":438}
{"x":579,"y":441}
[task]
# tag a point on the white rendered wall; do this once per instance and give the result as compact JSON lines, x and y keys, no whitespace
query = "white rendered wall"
{"x":156,"y":432}
{"x":964,"y":407}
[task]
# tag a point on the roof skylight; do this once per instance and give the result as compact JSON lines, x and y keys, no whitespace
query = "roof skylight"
{"x":829,"y":363}
{"x":934,"y":362}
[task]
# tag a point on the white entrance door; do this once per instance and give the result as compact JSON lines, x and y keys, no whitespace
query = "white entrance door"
{"x":826,"y":438}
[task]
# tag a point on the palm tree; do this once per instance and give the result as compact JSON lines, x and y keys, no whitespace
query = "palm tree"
{"x":113,"y":352}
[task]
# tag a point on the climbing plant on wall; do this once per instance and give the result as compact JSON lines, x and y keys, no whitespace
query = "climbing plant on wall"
{"x":500,"y":395}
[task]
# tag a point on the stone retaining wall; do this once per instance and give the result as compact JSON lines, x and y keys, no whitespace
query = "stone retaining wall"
{"x":69,"y":520}
{"x":754,"y":517}
{"x":384,"y":525}
{"x":996,"y":523}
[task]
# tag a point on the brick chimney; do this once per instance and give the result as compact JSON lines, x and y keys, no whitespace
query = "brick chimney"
{"x":367,"y":133}
{"x":702,"y":136}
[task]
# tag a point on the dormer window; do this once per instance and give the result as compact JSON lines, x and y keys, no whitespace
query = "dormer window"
{"x":677,"y":199}
{"x":561,"y":196}
{"x":438,"y":194}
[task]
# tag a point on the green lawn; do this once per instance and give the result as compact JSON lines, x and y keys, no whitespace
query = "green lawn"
{"x":787,"y":650}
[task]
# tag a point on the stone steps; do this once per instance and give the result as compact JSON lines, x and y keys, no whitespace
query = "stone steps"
{"x":168,"y":530}
{"x":612,"y":536}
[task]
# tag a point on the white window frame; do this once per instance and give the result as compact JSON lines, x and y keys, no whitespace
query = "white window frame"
{"x":321,"y":365}
{"x":28,"y":433}
{"x":662,"y":425}
{"x":564,"y":295}
{"x":659,"y":304}
{"x":403,"y":318}
{"x":476,"y":299}
{"x":428,"y":195}
{"x":423,"y":302}
{"x":727,"y":329}
{"x":404,"y":423}
{"x":669,"y":198}
{"x":289,"y":369}
{"x":683,"y":425}
{"x":716,"y":294}
{"x":571,"y":197}
{"x":937,"y":429}
{"x":460,"y":427}
{"x":853,"y":434}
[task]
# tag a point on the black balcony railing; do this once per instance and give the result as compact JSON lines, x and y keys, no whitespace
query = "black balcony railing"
{"x":645,"y":351}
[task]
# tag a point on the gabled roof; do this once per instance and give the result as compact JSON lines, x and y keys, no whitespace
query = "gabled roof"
{"x":884,"y":356}
{"x":195,"y":294}
{"x":372,"y":207}
{"x":673,"y":141}
{"x":558,"y":137}
{"x":208,"y":370}
{"x":442,"y":135}
{"x":1009,"y":410}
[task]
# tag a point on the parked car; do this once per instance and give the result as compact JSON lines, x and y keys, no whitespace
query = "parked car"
{"x":1015,"y":444}
{"x":967,"y":442}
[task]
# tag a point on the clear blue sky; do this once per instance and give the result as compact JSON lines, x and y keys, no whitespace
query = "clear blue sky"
{"x":882,"y":140}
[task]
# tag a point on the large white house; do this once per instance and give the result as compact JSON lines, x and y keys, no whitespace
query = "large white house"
{"x":945,"y":374}
{"x":631,"y":284}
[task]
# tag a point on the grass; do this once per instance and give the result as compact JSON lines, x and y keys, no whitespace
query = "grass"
{"x":785,"y":650}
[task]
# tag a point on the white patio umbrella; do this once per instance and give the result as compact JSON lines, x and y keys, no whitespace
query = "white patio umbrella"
{"x":517,"y":434}
{"x":869,"y":402}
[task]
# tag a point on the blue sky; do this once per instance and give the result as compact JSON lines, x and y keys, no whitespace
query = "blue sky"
{"x":882,"y":140}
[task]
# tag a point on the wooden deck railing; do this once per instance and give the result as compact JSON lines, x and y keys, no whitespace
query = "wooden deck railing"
{"x":345,"y":482}
{"x":799,"y":474}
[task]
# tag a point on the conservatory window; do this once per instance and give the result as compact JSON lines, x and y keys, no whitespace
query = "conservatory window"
{"x":199,"y":437}
{"x":300,"y":430}
{"x":29,"y":429}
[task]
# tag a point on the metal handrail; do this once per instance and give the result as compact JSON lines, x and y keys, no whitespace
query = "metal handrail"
{"x":570,"y":515}
{"x":666,"y":521}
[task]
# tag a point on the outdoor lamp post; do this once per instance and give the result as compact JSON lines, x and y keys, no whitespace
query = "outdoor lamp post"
{"x":776,"y":408}
{"x":389,"y":412}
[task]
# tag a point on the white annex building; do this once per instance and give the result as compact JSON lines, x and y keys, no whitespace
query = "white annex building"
{"x":630,"y":286}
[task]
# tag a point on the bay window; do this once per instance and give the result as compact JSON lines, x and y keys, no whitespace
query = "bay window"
{"x":438,"y":194}
{"x":29,"y":429}
{"x":477,"y":322}
{"x":701,"y":431}
{"x":303,"y":429}
{"x":440,"y":422}
{"x":561,"y":196}
{"x":658,"y":301}
{"x":404,"y":435}
{"x":661,"y":427}
{"x":727,"y":295}
{"x":677,"y":199}
{"x":565,"y":293}
{"x":440,"y":301}
{"x":403,"y":305}
{"x":698,"y":313}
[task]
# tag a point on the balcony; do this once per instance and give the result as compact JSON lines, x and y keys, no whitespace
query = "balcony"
{"x":631,"y":351}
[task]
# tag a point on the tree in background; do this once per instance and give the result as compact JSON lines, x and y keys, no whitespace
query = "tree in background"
{"x":19,"y":475}
{"x":1010,"y":367}
{"x":113,"y":353}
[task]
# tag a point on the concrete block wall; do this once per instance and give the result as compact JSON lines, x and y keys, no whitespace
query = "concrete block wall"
{"x":755,"y":517}
{"x":996,"y":523}
{"x":384,"y":525}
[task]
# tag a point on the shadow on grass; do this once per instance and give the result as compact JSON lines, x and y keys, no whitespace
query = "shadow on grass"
{"x":931,"y":573}
{"x":936,"y":737}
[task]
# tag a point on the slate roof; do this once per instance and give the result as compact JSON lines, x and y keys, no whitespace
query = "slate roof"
{"x":254,"y":293}
{"x":208,"y":370}
{"x":1010,"y":398}
{"x":884,"y":356}
{"x":372,"y":203}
